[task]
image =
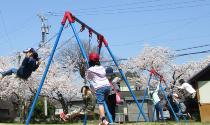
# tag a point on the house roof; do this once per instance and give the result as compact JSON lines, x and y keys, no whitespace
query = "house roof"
{"x":199,"y":74}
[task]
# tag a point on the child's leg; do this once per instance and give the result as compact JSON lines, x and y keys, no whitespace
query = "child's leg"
{"x":9,"y":72}
{"x":65,"y":117}
{"x":101,"y":95}
{"x":102,"y":114}
{"x":101,"y":110}
{"x":111,"y":102}
{"x":161,"y":111}
{"x":157,"y":112}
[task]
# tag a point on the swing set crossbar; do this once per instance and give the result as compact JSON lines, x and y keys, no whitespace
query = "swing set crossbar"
{"x":71,"y":18}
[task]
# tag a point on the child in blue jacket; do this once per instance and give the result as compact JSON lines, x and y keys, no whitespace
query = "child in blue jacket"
{"x":29,"y":64}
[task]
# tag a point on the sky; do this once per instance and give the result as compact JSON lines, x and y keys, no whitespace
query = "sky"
{"x":127,"y":25}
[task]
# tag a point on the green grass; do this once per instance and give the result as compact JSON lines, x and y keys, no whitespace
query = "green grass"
{"x":140,"y":123}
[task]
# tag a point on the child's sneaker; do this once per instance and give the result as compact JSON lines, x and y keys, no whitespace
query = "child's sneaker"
{"x":105,"y":122}
{"x":188,"y":114}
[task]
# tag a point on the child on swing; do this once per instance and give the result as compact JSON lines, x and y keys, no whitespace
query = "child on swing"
{"x":97,"y":74}
{"x":30,"y":64}
{"x":89,"y":104}
{"x":156,"y":102}
{"x":180,"y":104}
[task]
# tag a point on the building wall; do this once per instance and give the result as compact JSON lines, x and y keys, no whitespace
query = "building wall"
{"x":6,"y":111}
{"x":133,"y":111}
{"x":204,"y":108}
{"x":205,"y":112}
{"x":129,"y":111}
{"x":123,"y":86}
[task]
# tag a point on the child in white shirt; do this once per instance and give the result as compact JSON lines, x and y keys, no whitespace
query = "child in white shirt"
{"x":187,"y":87}
{"x":97,"y":75}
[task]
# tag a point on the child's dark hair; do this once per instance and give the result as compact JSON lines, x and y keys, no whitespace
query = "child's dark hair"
{"x":85,"y":89}
{"x":36,"y":56}
{"x":93,"y":63}
{"x":181,"y":81}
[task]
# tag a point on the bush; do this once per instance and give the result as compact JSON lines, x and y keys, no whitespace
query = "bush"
{"x":38,"y":114}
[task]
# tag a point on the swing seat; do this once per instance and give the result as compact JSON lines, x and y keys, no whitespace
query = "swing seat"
{"x":181,"y":114}
{"x":87,"y":111}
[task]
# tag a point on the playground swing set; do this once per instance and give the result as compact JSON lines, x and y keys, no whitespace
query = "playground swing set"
{"x":101,"y":41}
{"x":158,"y":77}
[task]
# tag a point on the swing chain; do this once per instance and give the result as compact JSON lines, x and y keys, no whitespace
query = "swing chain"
{"x":155,"y":73}
{"x":82,"y":28}
{"x":90,"y":33}
{"x":89,"y":41}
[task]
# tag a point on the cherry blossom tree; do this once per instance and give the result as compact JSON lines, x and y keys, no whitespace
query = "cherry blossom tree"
{"x":56,"y":87}
{"x":187,"y":70}
{"x":60,"y":83}
{"x":162,"y":60}
{"x":158,"y":58}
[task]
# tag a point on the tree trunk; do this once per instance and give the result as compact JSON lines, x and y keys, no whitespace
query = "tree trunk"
{"x":63,"y":103}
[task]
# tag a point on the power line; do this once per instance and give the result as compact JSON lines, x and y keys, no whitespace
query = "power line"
{"x":139,"y":9}
{"x":155,"y":23}
{"x":194,"y":47}
{"x":192,"y":53}
{"x":27,"y":23}
{"x":158,"y":35}
{"x":105,"y":7}
{"x":146,"y":10}
{"x":137,"y":42}
{"x":140,"y":41}
{"x":115,"y":5}
{"x":62,"y":45}
{"x":50,"y":39}
{"x":191,"y":20}
{"x":5,"y":30}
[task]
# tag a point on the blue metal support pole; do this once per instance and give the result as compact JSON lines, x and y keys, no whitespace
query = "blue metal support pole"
{"x":99,"y":49}
{"x":176,"y":118}
{"x":108,"y":113}
{"x":86,"y":60}
{"x":44,"y":76}
{"x":80,"y":44}
{"x":153,"y":115}
{"x":145,"y":93}
{"x":84,"y":56}
{"x":127,"y":83}
{"x":85,"y":119}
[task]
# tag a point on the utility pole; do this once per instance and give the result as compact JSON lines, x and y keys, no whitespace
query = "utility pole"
{"x":19,"y":58}
{"x":45,"y":106}
{"x":44,"y":31}
{"x":44,"y":28}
